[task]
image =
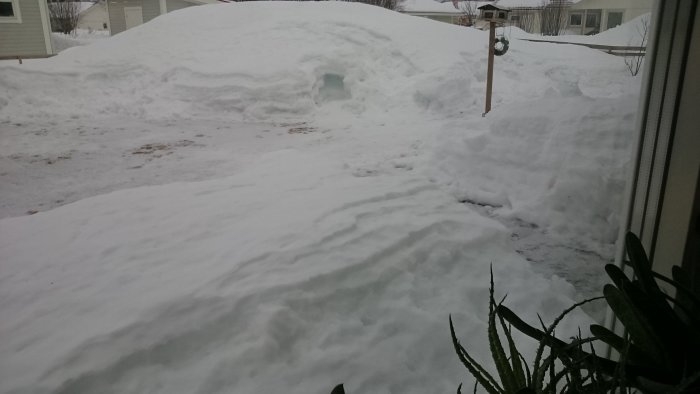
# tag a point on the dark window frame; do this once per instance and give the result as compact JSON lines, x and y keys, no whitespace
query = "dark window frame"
{"x":580,"y":19}
{"x":592,"y":20}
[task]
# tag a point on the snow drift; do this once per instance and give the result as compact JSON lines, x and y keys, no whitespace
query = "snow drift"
{"x":270,"y":61}
{"x":331,"y":251}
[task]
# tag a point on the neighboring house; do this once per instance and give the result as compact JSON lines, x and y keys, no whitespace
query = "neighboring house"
{"x":25,"y":30}
{"x":575,"y":16}
{"x":125,"y":14}
{"x":533,"y":17}
{"x":594,"y":16}
{"x":431,"y":9}
{"x":94,"y":17}
{"x":450,"y":12}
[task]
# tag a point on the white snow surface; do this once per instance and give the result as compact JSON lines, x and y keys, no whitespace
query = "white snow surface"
{"x":263,"y":197}
{"x":79,"y":37}
{"x":429,"y":6}
{"x":524,"y":3}
{"x":627,"y":34}
{"x":436,"y":6}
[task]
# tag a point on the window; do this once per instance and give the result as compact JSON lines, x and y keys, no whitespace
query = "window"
{"x":9,"y":11}
{"x":614,"y":19}
{"x":488,"y":15}
{"x":515,"y":18}
{"x":575,"y":20}
{"x":502,"y":15}
{"x":592,"y":20}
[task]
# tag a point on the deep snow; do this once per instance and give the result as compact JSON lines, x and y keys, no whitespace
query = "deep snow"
{"x":292,"y":195}
{"x":61,"y":42}
{"x":627,"y":34}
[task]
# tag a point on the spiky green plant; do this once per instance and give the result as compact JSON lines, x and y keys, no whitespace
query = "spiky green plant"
{"x":660,"y":351}
{"x":513,"y":372}
{"x":663,"y":340}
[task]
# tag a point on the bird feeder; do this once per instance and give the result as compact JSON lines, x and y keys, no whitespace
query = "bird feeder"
{"x":495,"y":16}
{"x":492,"y":13}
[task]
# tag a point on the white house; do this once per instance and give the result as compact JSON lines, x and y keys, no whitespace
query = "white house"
{"x":538,"y":16}
{"x":25,"y":30}
{"x":431,"y":9}
{"x":574,"y":16}
{"x":594,"y":16}
{"x":94,"y":17}
{"x":448,"y":11}
{"x":125,"y":14}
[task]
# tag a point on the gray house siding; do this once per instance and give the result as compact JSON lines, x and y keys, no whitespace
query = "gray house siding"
{"x":115,"y":10}
{"x":173,"y":5}
{"x":151,"y":9}
{"x":27,"y":38}
{"x":117,"y":21}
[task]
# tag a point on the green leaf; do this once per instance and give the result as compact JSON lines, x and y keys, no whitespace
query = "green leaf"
{"x":616,"y":275}
{"x":635,"y":323}
{"x":515,"y":356}
{"x":607,"y":336}
{"x":642,"y":267}
{"x":635,"y":354}
{"x":497,"y":352}
{"x":480,"y":374}
{"x":338,"y":389}
{"x":683,"y":286}
{"x":602,"y":364}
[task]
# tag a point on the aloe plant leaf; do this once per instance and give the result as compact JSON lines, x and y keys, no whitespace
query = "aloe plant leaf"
{"x":616,"y":275}
{"x":640,"y":262}
{"x":601,"y":364}
{"x":515,"y":356}
{"x":480,"y":374}
{"x":652,"y":386}
{"x":552,"y":385}
{"x":541,"y":372}
{"x":637,"y":325}
{"x":681,"y":285}
{"x":528,"y":375}
{"x":643,"y":271}
{"x":665,"y":325}
{"x":689,"y":384}
{"x":607,"y":336}
{"x":635,"y":354}
{"x":497,"y":352}
{"x":339,"y":389}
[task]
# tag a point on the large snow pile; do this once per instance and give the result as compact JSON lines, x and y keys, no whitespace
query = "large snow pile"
{"x":428,"y":6}
{"x":61,"y":41}
{"x":222,"y":67}
{"x":294,"y":199}
{"x":631,"y":33}
{"x":441,"y":7}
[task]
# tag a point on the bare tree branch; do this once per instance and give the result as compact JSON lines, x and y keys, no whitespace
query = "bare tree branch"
{"x":634,"y":62}
{"x":470,"y":12}
{"x":553,"y":18}
{"x":64,"y":15}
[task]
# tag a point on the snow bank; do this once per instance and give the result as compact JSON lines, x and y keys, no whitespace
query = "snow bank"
{"x":80,"y":37}
{"x":274,"y":61}
{"x":428,"y":6}
{"x":559,"y":164}
{"x":240,"y":64}
{"x":627,"y":34}
{"x":333,"y":255}
{"x":254,"y":284}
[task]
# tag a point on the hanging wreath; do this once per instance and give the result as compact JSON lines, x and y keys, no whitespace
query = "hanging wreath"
{"x":500,"y":47}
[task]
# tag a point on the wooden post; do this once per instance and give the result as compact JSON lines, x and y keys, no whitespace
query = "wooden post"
{"x":489,"y":74}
